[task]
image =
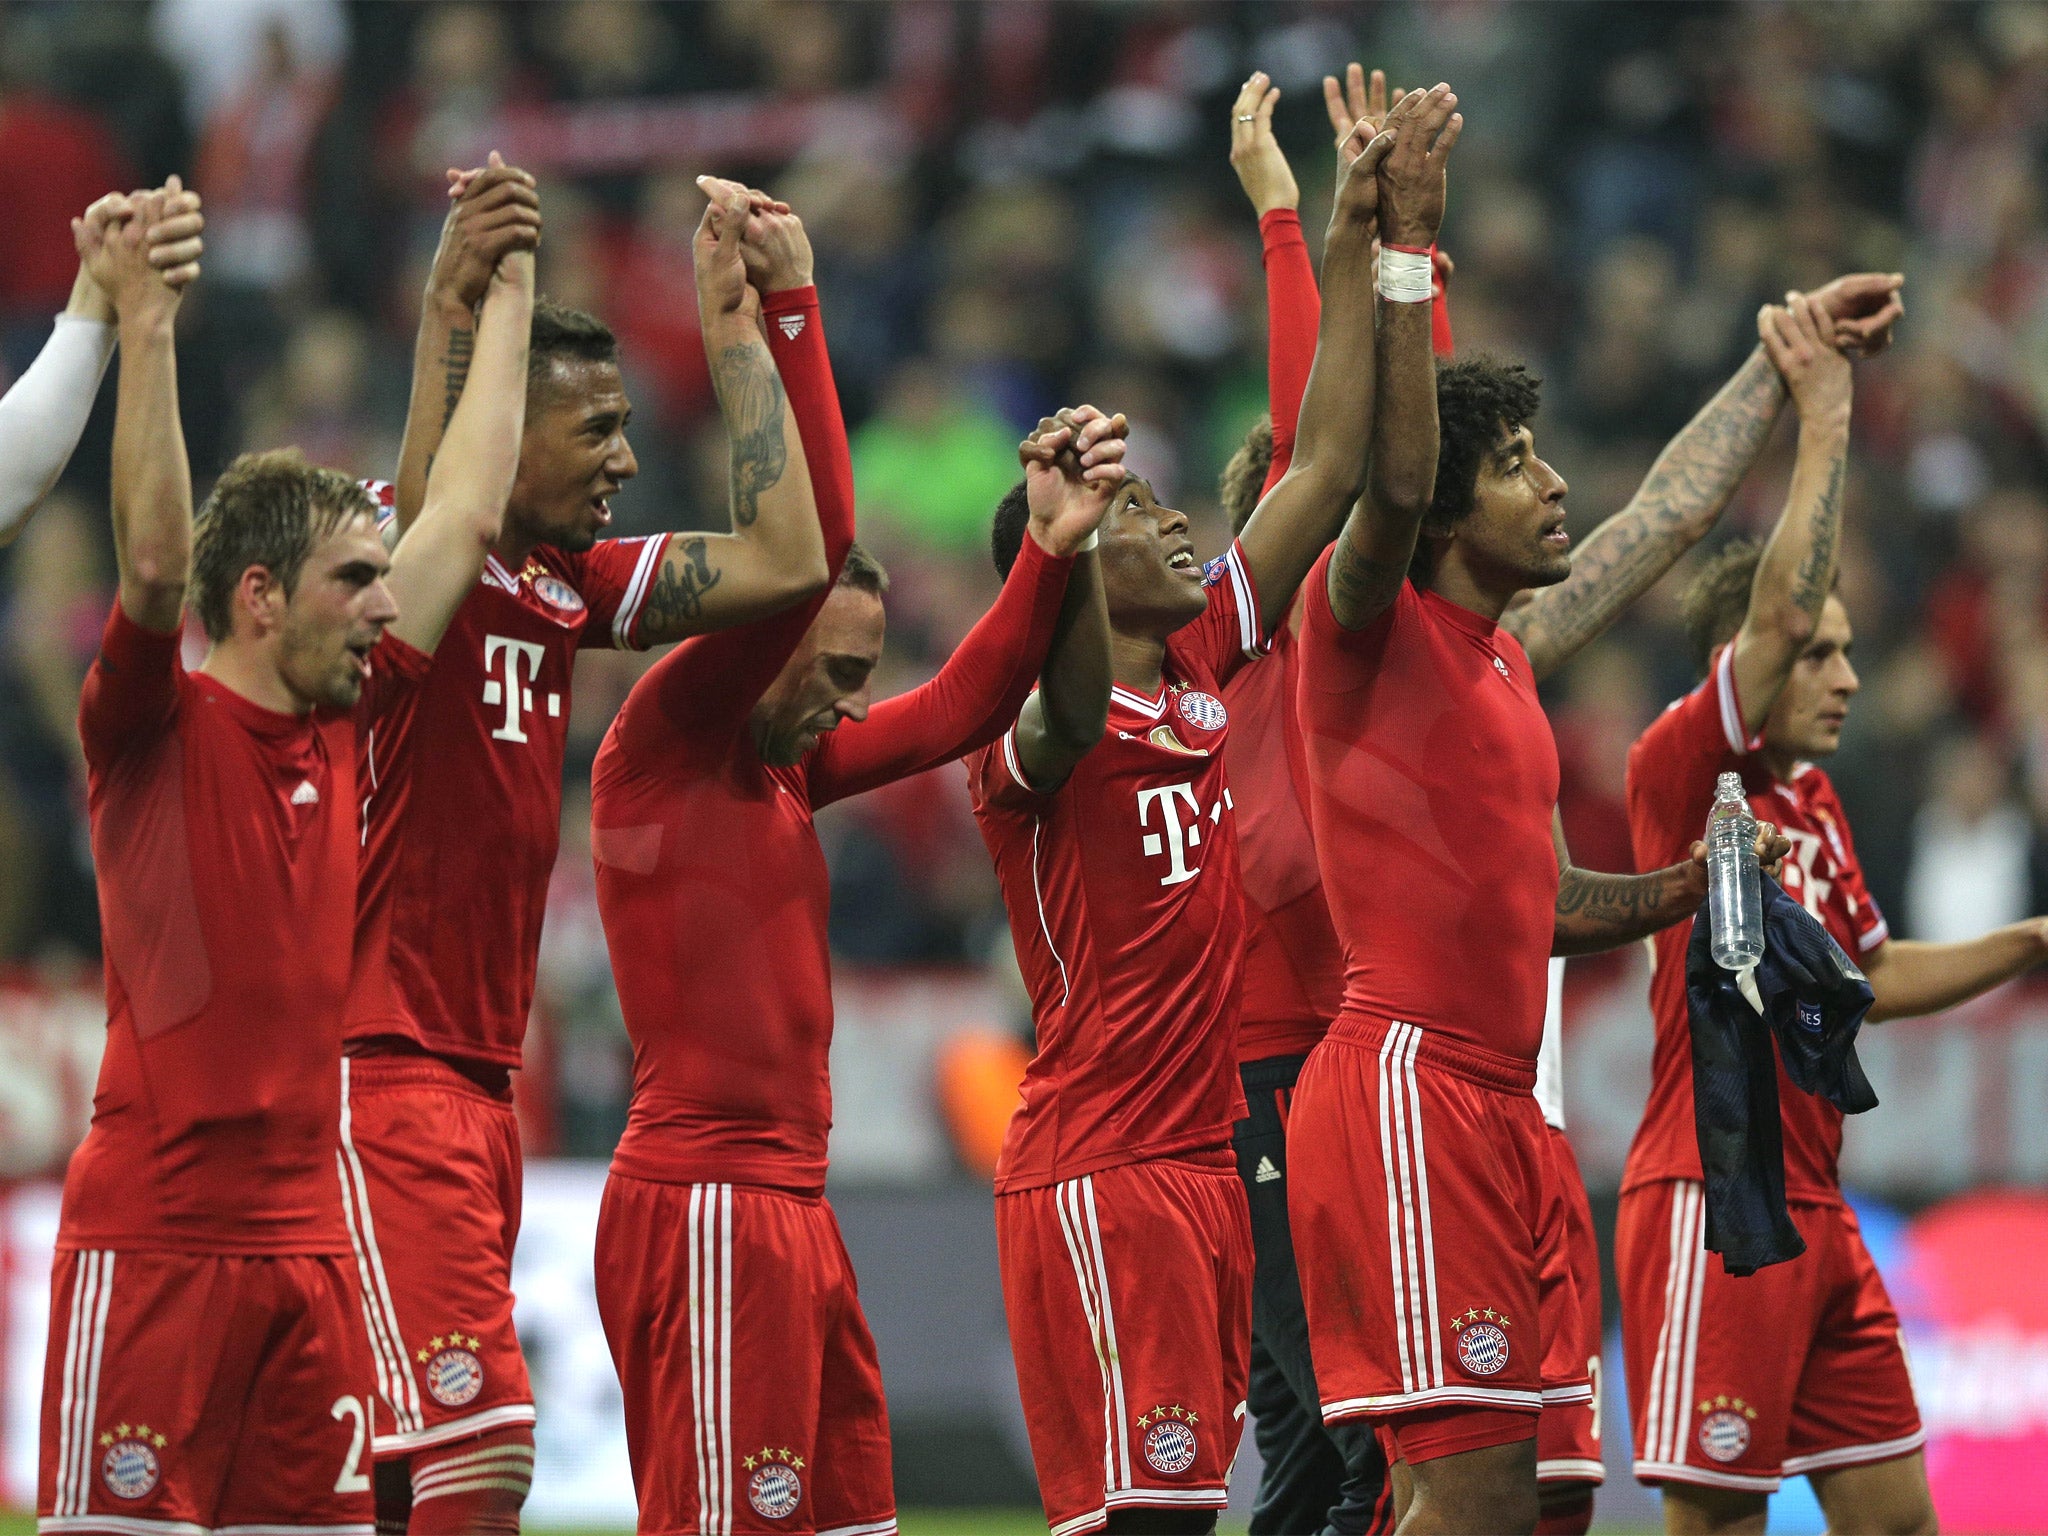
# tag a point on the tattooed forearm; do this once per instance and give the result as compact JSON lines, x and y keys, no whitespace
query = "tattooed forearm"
{"x":1686,"y":490}
{"x":1596,"y":912}
{"x":455,"y":370}
{"x":675,"y":604}
{"x":1361,"y":588}
{"x":1817,"y":569}
{"x":750,"y":394}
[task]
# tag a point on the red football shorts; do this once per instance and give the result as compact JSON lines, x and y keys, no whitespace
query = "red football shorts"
{"x":1129,"y":1297}
{"x":197,"y":1391}
{"x":431,"y":1174}
{"x":1739,"y":1383}
{"x":1568,"y":1432}
{"x":753,"y":1395}
{"x":1419,"y":1187}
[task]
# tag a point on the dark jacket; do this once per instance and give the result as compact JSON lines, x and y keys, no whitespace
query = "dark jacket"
{"x":1813,"y":999}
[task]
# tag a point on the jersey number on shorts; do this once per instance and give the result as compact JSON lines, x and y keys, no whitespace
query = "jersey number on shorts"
{"x":352,"y":1479}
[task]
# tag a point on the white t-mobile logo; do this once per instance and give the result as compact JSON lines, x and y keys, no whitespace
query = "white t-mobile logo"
{"x":1177,"y":838}
{"x":521,"y":656}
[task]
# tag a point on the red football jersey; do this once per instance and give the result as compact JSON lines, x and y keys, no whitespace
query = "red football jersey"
{"x":457,"y":860}
{"x":1432,"y":781}
{"x":1293,"y":964}
{"x":714,"y":890}
{"x":1671,"y":773}
{"x":1126,"y":911}
{"x":225,"y":839}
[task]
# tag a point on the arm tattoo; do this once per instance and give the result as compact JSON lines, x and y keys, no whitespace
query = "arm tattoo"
{"x":1816,"y":571}
{"x":1678,"y":501}
{"x":1361,"y":588}
{"x":1596,"y":911}
{"x":750,"y":394}
{"x":455,"y":370}
{"x":677,"y":597}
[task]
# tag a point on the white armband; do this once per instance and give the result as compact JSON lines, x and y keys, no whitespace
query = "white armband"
{"x":1406,"y":277}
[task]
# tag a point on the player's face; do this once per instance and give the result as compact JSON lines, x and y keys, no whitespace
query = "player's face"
{"x":1808,"y":718}
{"x":1149,"y":571}
{"x":335,"y":616}
{"x":1515,"y":530}
{"x":825,"y":681}
{"x":573,"y":455}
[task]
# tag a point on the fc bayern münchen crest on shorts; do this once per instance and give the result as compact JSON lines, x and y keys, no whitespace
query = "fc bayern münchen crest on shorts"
{"x":1202,"y":710}
{"x":775,"y":1489}
{"x":557,"y":593}
{"x":1170,"y":1443}
{"x":1482,"y":1340}
{"x":454,"y":1374}
{"x":1724,"y":1427}
{"x":129,"y":1466}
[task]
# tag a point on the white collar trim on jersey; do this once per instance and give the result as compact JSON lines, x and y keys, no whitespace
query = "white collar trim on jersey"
{"x":494,"y":571}
{"x":1152,"y":709}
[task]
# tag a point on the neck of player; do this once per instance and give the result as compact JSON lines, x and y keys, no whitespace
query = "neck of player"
{"x":1137,"y":662}
{"x":1779,"y":761}
{"x":254,"y":675}
{"x":1481,"y":592}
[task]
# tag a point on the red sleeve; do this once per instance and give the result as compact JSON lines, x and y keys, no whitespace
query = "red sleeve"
{"x":1440,"y":316}
{"x":613,"y":578}
{"x":996,"y":777}
{"x":709,"y":684}
{"x":973,"y":699}
{"x":1673,"y":765}
{"x":1293,"y":312}
{"x":1228,"y":633}
{"x":131,"y":691}
{"x":1866,"y":920}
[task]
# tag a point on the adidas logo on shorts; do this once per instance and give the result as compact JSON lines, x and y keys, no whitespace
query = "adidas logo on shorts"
{"x":1265,"y":1173}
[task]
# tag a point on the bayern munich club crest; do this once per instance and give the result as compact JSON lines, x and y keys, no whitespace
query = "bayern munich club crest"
{"x":454,"y":1374}
{"x":1482,"y":1340}
{"x":1170,"y":1443}
{"x":1724,"y":1427}
{"x":129,"y":1465}
{"x":774,"y":1488}
{"x":1202,"y":710}
{"x":557,"y":593}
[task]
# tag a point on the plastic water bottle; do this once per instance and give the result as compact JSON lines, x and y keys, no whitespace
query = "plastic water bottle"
{"x":1735,"y":900}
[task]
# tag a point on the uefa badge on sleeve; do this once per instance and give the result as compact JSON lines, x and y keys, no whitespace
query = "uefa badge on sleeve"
{"x":1724,"y":1427}
{"x":774,"y":1488}
{"x":1170,"y":1442}
{"x":1482,"y":1340}
{"x":128,"y":1463}
{"x":454,"y":1373}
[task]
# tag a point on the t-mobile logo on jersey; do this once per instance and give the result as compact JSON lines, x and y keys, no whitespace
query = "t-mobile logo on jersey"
{"x":1178,"y":836}
{"x":520,"y":656}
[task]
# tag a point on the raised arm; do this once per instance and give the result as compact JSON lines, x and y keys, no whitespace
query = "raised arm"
{"x":1378,"y":538}
{"x":152,"y":482}
{"x":492,"y":212}
{"x":1296,"y":520}
{"x":1689,"y":486}
{"x":1911,"y":978}
{"x":775,"y":555}
{"x":1060,"y":724}
{"x":1797,"y":570}
{"x":45,"y":411}
{"x":1596,"y":911}
{"x":436,"y":564}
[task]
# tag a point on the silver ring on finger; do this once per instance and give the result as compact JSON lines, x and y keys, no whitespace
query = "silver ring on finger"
{"x":1244,"y":117}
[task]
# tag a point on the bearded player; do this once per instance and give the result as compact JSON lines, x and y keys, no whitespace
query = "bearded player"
{"x":1797,"y":1369}
{"x":1293,"y":963}
{"x":753,"y":1396}
{"x":433,"y":1150}
{"x":205,"y":1368}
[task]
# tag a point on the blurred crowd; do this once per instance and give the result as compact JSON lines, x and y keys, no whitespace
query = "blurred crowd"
{"x":1024,"y":204}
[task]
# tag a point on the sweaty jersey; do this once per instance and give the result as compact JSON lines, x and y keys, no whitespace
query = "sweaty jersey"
{"x":1432,"y":782}
{"x":457,"y":860}
{"x":1671,"y":773}
{"x":1125,"y":908}
{"x":1293,"y":964}
{"x":224,"y":836}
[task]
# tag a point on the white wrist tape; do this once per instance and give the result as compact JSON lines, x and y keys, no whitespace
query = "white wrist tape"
{"x":1094,"y":538}
{"x":1406,"y":277}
